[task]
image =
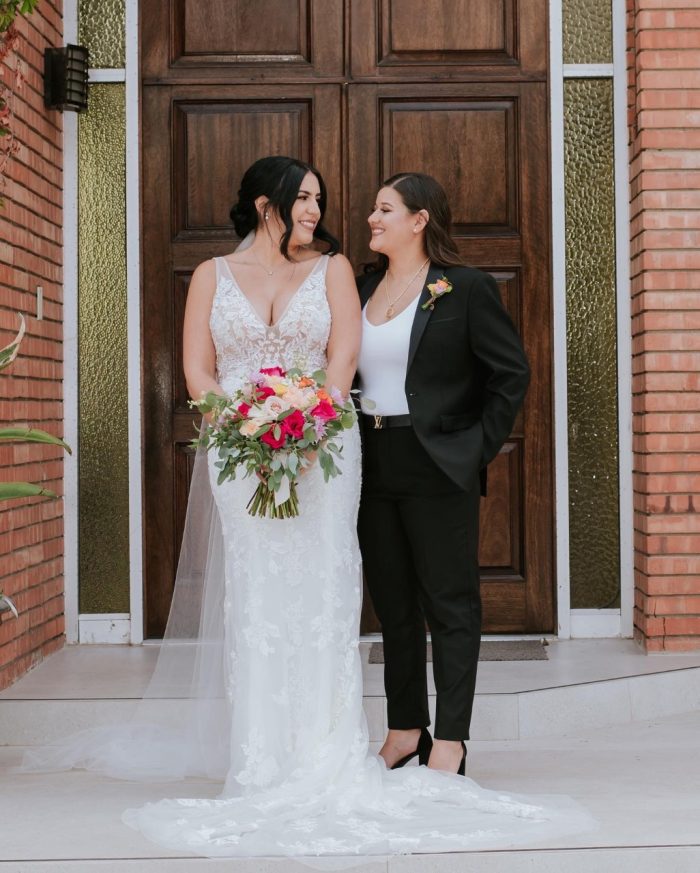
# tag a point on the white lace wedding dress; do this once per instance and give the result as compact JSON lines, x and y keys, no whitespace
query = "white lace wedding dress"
{"x":300,"y":779}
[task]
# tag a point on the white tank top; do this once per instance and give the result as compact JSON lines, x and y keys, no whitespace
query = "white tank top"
{"x":382,"y":363}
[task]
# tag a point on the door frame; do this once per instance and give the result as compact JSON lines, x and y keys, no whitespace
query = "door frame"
{"x":570,"y":623}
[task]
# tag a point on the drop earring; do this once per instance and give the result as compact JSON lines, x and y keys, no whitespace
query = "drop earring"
{"x":267,"y":216}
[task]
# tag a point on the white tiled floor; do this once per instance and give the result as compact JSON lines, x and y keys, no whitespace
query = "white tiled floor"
{"x":641,"y":782}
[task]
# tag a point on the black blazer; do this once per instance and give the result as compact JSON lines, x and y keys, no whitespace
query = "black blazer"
{"x":467,"y":373}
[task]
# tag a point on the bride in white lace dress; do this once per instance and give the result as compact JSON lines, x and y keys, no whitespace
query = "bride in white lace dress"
{"x":277,"y":681}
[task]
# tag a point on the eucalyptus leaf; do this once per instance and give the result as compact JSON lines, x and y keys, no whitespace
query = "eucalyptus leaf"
{"x":319,"y":376}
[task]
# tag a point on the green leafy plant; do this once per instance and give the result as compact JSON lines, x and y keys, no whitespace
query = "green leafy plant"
{"x":10,"y":84}
{"x":10,"y":9}
{"x":12,"y":490}
{"x":7,"y":605}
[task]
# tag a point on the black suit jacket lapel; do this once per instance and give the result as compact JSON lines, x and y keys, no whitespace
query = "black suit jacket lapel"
{"x":422,"y":316}
{"x":369,"y":287}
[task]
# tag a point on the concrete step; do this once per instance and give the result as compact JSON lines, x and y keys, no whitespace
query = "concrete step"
{"x":585,"y":684}
{"x":647,"y":859}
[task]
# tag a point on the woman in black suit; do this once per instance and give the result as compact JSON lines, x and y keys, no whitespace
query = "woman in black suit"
{"x":442,"y":374}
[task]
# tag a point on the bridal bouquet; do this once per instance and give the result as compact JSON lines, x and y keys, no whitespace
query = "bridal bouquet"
{"x":270,"y":426}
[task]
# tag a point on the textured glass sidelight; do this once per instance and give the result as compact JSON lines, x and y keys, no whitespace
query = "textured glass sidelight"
{"x":102,"y":342}
{"x":587,"y":31}
{"x":101,"y":29}
{"x":592,"y":344}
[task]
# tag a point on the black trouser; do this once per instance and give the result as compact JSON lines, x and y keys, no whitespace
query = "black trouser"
{"x":419,"y":535}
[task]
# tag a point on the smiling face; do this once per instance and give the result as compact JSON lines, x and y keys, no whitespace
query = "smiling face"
{"x":391,"y":224}
{"x":306,"y":212}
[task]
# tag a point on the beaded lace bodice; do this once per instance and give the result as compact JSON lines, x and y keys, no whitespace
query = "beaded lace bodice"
{"x":243,"y":341}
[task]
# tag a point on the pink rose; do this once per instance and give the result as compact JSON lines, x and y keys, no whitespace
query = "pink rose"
{"x":263,"y":391}
{"x":294,"y":425}
{"x":324,"y":410}
{"x":273,"y":371}
{"x":271,"y":440}
{"x":244,"y":408}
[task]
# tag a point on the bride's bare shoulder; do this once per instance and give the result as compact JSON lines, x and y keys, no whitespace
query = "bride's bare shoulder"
{"x":339,"y":266}
{"x":203,"y":281}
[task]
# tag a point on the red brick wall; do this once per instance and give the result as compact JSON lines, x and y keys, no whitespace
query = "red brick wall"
{"x":31,"y":531}
{"x":664,"y":109}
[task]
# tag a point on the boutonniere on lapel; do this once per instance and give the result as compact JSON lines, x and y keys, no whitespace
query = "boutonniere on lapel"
{"x":437,"y":290}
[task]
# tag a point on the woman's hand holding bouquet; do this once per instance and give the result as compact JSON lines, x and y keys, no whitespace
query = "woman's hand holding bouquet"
{"x":270,"y":427}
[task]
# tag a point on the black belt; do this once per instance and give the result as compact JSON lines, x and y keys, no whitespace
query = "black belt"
{"x":379,"y":422}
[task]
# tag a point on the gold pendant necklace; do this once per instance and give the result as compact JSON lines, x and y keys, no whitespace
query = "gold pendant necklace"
{"x":262,"y":266}
{"x":392,"y":303}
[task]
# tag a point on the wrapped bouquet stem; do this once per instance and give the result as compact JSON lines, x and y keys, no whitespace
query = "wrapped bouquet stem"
{"x":269,"y":427}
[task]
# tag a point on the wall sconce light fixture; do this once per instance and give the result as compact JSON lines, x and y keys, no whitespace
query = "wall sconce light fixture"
{"x":66,"y":78}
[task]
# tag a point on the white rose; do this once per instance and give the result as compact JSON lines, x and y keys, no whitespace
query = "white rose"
{"x":274,"y":405}
{"x":249,"y":427}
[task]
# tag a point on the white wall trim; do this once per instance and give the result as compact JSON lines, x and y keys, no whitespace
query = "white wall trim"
{"x":588,"y":71}
{"x":70,"y":348}
{"x":105,"y":75}
{"x":133,"y":284}
{"x":624,"y":321}
{"x":105,"y":627}
{"x":585,"y":623}
{"x":561,"y":434}
{"x":588,"y":623}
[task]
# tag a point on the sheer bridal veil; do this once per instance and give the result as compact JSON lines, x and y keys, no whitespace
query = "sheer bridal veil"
{"x":181,"y":726}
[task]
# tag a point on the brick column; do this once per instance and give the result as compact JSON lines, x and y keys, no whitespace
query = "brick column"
{"x":31,"y":390}
{"x":664,"y":125}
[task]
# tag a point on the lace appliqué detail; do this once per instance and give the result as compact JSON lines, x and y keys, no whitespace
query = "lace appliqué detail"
{"x":244,"y":343}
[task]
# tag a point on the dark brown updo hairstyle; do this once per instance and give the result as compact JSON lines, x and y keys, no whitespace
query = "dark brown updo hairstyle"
{"x":278,"y":178}
{"x":420,"y":191}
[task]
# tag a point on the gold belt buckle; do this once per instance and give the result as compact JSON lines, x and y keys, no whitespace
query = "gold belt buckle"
{"x":377,"y":422}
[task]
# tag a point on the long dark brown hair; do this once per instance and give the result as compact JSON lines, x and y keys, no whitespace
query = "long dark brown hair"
{"x":420,"y":191}
{"x":278,"y":178}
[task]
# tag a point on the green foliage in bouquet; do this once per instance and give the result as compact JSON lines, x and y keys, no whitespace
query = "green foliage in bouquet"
{"x":13,"y":490}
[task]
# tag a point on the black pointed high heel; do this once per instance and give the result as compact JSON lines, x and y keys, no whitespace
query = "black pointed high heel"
{"x":463,"y":762}
{"x":425,"y":744}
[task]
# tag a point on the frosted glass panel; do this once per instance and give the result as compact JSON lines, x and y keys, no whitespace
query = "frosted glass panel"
{"x":587,"y":31}
{"x":103,"y":466}
{"x":592,"y":343}
{"x":101,"y":30}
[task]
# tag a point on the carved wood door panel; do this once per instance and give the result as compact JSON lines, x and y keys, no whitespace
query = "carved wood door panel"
{"x":361,"y":88}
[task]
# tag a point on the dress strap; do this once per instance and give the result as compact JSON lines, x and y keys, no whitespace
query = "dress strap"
{"x":222,"y":269}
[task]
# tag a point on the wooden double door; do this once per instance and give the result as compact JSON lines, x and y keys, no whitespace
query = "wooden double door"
{"x":362,"y":89}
